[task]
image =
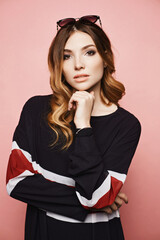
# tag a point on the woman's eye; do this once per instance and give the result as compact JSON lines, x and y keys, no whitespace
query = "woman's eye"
{"x":91,"y":52}
{"x":66,"y":56}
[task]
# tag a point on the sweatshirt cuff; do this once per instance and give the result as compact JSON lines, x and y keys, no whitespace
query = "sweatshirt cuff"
{"x":84,"y":131}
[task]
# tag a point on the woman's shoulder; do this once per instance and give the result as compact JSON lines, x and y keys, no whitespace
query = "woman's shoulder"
{"x":129,"y":118}
{"x":37,"y":103}
{"x":38,"y":99}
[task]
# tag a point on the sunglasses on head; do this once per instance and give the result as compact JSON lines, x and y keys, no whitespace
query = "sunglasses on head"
{"x":85,"y":19}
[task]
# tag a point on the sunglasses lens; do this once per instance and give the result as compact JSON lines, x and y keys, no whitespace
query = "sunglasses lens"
{"x":65,"y":21}
{"x":90,"y":18}
{"x":84,"y":19}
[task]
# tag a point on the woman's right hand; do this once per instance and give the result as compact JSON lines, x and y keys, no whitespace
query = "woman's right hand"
{"x":82,"y":102}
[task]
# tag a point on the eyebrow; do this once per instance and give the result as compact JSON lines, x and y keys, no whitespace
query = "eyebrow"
{"x":83,"y":48}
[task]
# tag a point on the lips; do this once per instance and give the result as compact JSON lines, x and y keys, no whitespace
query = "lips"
{"x":81,"y":76}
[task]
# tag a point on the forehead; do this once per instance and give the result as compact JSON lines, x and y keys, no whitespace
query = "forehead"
{"x":78,"y":39}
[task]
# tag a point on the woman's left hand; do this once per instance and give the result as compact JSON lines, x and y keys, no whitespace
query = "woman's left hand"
{"x":120,"y":198}
{"x":82,"y":102}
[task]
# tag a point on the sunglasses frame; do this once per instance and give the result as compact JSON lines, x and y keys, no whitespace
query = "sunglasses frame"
{"x":82,"y":19}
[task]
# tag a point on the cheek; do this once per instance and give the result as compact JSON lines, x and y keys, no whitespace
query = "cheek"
{"x":65,"y":70}
{"x":99,"y":69}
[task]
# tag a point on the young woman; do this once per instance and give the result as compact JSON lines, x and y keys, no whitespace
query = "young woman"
{"x":72,"y":149}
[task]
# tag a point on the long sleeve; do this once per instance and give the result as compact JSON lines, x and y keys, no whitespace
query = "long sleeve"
{"x":27,"y":181}
{"x":86,"y":177}
{"x":100,"y":176}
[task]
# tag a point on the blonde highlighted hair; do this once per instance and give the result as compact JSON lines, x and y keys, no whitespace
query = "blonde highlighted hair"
{"x":59,"y":117}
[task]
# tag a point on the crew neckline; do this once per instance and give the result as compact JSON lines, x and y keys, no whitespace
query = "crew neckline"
{"x":107,"y":115}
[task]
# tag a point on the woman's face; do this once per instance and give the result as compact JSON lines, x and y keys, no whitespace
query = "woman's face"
{"x":82,"y":65}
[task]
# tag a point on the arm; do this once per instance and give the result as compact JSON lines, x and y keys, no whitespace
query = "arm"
{"x":99,"y":177}
{"x":27,"y":181}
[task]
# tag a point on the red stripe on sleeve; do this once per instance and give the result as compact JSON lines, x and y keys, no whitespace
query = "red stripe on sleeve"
{"x":110,"y":196}
{"x":17,"y":164}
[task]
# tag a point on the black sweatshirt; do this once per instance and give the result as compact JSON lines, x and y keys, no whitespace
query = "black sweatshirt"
{"x":68,"y":185}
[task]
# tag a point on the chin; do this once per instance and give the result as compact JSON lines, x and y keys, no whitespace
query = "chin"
{"x":83,"y":88}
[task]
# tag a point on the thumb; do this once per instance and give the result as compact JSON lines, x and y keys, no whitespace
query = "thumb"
{"x":92,"y":92}
{"x":123,"y":196}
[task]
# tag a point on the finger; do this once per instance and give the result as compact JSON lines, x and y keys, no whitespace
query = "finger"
{"x":74,"y":105}
{"x":73,"y":101}
{"x":108,"y":210}
{"x":114,"y":207}
{"x":118,"y":201}
{"x":79,"y":96}
{"x":123,"y":196}
{"x":84,"y":93}
{"x":86,"y":96}
{"x":71,"y":105}
{"x":92,"y":92}
{"x":80,"y":93}
{"x":93,"y":95}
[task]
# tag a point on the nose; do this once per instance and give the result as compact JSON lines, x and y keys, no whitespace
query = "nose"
{"x":79,"y":63}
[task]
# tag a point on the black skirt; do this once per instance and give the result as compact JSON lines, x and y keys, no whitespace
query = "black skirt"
{"x":39,"y":226}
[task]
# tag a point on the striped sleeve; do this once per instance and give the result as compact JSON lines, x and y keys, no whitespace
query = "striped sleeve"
{"x":100,"y":178}
{"x":27,"y":181}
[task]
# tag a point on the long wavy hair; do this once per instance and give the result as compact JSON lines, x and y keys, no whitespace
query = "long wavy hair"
{"x":59,"y":117}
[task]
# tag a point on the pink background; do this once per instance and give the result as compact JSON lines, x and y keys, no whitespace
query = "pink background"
{"x":27,"y":28}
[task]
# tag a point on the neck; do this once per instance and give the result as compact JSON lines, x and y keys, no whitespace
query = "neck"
{"x":99,"y":108}
{"x":98,"y":102}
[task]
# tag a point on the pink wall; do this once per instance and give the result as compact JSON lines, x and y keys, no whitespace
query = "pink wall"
{"x":27,"y":28}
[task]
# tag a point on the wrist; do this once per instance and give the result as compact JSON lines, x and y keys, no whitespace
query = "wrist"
{"x":86,"y":130}
{"x":83,"y":125}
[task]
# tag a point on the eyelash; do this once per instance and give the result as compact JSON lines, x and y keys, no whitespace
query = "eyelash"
{"x":90,"y":53}
{"x":65,"y":56}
